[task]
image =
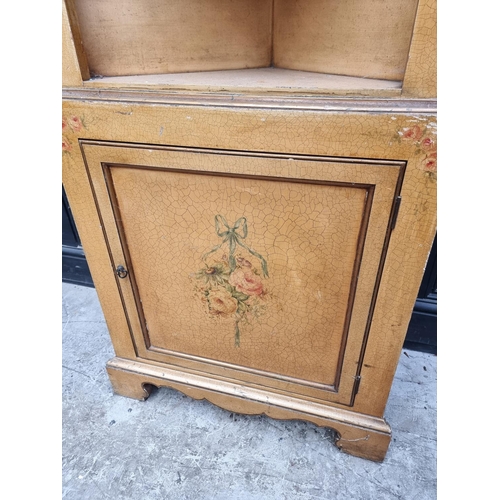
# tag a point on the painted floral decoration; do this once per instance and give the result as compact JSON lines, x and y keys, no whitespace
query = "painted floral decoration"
{"x":231,"y":286}
{"x":71,"y":124}
{"x":425,"y":145}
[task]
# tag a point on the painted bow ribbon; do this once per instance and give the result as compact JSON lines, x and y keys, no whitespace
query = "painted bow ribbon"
{"x":234,"y":238}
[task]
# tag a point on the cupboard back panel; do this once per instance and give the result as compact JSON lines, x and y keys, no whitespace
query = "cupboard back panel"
{"x":356,"y":38}
{"x":361,"y":39}
{"x":133,"y":37}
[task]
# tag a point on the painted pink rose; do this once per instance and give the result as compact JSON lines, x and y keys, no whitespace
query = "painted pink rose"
{"x":245,"y":281}
{"x":428,"y":144}
{"x":66,"y":145}
{"x":430,"y":162}
{"x":75,"y":123}
{"x":413,"y":133}
{"x":64,"y":124}
{"x":221,"y":303}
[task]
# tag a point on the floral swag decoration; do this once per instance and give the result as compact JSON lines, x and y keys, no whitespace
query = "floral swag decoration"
{"x":232,"y":286}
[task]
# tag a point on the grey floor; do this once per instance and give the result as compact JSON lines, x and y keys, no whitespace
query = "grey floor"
{"x":173,"y":447}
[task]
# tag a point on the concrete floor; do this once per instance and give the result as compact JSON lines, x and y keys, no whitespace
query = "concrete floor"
{"x":173,"y":447}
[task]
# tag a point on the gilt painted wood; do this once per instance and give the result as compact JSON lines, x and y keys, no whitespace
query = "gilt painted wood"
{"x":356,"y":434}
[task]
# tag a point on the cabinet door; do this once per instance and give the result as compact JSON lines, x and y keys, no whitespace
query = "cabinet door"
{"x":257,"y":267}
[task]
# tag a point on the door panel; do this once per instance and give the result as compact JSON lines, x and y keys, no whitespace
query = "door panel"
{"x":253,"y":266}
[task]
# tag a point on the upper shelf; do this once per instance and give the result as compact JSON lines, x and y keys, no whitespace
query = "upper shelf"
{"x":259,"y":80}
{"x":337,"y":47}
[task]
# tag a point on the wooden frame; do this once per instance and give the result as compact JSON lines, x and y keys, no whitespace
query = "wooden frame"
{"x":155,"y":128}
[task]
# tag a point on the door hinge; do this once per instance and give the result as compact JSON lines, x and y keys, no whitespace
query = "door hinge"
{"x":395,"y":212}
{"x":357,"y":381}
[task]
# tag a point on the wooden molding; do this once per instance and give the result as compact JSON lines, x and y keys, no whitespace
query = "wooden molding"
{"x":358,"y":434}
{"x":253,"y":101}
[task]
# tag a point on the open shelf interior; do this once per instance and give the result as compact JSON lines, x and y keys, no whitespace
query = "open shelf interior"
{"x":321,"y":46}
{"x":258,"y":80}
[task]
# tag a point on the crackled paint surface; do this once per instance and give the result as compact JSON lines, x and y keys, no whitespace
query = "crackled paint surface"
{"x":70,"y":126}
{"x":168,"y":219}
{"x":421,"y":71}
{"x":424,"y":140}
{"x":232,"y":286}
{"x":342,"y":134}
{"x":310,"y":250}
